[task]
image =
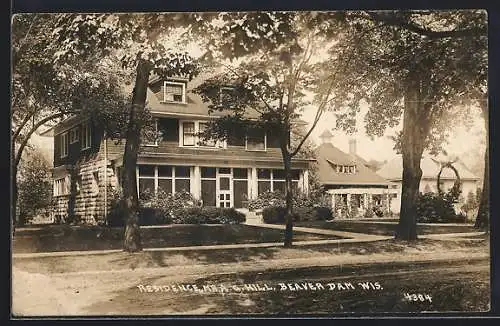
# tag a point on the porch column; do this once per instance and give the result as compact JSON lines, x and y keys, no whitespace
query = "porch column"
{"x":349,"y":203}
{"x":305,"y":181}
{"x":254,"y":184}
{"x":196,"y":182}
{"x":333,"y":203}
{"x":387,"y":200}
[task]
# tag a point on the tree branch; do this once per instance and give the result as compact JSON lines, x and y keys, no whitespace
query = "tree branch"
{"x":35,"y":127}
{"x":258,"y":95}
{"x":392,"y":20}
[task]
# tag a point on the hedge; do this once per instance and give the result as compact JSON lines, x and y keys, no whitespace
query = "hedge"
{"x":276,"y":214}
{"x":193,"y":215}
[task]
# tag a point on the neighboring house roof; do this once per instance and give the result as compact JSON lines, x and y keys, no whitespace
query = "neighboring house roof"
{"x":327,"y":155}
{"x":393,"y":170}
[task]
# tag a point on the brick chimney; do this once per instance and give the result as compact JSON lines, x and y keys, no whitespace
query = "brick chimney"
{"x":352,"y":147}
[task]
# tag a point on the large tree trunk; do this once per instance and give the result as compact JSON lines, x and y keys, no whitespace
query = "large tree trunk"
{"x":412,"y":148}
{"x":483,"y":213}
{"x":130,"y":201}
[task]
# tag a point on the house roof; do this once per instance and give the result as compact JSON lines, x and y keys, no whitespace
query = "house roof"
{"x":194,"y":105}
{"x":393,"y":170}
{"x":327,"y":155}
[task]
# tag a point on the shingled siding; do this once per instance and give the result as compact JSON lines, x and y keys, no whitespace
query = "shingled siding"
{"x":89,"y":203}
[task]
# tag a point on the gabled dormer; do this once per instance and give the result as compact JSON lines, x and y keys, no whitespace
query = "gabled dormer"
{"x":170,"y":90}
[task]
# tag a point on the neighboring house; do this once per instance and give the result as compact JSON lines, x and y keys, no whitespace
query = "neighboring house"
{"x":221,"y":174}
{"x":354,"y":187}
{"x":393,"y":171}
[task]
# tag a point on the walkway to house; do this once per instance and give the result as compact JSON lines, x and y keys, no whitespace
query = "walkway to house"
{"x":253,"y":219}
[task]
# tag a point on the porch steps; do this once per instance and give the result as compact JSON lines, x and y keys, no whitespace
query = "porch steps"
{"x":251,"y":217}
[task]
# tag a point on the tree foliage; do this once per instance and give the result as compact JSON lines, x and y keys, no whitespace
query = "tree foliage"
{"x":278,"y":76}
{"x":35,"y":186}
{"x":419,"y":65}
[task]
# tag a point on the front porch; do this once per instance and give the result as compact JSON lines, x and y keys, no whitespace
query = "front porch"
{"x":354,"y":202}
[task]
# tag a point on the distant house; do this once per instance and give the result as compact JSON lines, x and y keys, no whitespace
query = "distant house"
{"x":393,"y":171}
{"x":219,"y":173}
{"x":353,"y":185}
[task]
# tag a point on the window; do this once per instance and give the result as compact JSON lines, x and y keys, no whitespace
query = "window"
{"x":174,"y":92}
{"x":64,"y":144}
{"x":170,"y":179}
{"x":61,"y":186}
{"x":256,"y":141}
{"x":86,"y":136}
{"x":74,"y":135}
{"x":188,"y":133}
{"x":274,"y":180}
{"x":347,"y":169}
{"x":205,"y":142}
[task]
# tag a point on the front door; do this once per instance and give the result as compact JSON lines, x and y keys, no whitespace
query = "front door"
{"x":225,"y":193}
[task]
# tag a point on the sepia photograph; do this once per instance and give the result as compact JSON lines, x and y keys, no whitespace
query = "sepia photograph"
{"x":249,"y":163}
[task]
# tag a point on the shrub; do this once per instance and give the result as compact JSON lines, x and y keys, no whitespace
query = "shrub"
{"x":277,"y":214}
{"x":274,"y":214}
{"x":267,"y":199}
{"x":436,"y":208}
{"x":209,"y":215}
{"x":323,"y":213}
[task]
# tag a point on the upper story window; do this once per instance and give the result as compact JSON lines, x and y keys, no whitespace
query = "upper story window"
{"x":74,"y":135}
{"x":174,"y":92}
{"x":86,"y":136}
{"x":64,"y":144}
{"x":205,"y":142}
{"x":189,"y":135}
{"x":346,"y":169}
{"x":256,"y":141}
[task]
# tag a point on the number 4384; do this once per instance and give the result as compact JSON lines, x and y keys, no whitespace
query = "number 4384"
{"x":418,"y":297}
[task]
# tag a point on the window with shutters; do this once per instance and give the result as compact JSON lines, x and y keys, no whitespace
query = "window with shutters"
{"x":174,"y":92}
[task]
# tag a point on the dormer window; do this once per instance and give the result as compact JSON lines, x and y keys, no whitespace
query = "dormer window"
{"x":346,"y":169}
{"x":174,"y":92}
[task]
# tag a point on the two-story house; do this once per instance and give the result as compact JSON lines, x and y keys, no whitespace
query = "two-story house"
{"x":219,"y":173}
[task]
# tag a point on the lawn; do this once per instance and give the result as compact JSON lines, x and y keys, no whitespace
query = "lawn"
{"x":66,"y":238}
{"x":117,"y":261}
{"x":383,"y":228}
